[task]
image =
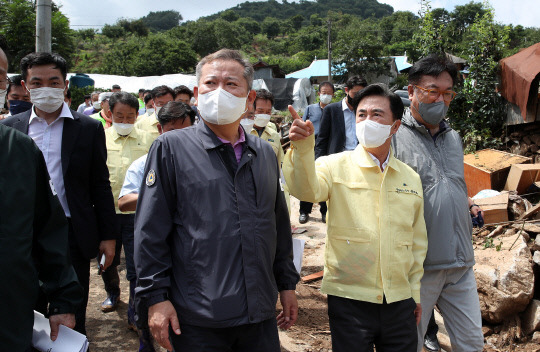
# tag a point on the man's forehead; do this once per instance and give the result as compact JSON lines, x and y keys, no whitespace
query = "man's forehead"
{"x":230,"y":67}
{"x":442,"y":81}
{"x":374,"y":102}
{"x":44,"y":71}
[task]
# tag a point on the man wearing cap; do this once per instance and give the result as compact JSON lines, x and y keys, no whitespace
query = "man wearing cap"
{"x":103,"y":114}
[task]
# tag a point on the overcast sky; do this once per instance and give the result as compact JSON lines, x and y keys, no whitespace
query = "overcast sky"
{"x":83,"y":14}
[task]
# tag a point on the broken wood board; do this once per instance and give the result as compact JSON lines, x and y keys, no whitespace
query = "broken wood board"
{"x":521,"y":177}
{"x":313,"y":277}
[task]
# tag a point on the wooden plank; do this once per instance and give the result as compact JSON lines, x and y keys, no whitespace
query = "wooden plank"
{"x":530,"y":212}
{"x":313,"y":277}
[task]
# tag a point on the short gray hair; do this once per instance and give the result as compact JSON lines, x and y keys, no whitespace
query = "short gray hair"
{"x":227,"y":55}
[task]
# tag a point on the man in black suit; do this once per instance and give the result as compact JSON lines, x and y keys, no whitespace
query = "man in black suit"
{"x":338,"y":124}
{"x":337,"y":131}
{"x":74,"y":149}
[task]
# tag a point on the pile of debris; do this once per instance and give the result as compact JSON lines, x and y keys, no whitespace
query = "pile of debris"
{"x":525,"y":141}
{"x":507,"y":247}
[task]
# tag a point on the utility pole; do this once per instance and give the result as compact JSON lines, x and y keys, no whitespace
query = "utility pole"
{"x":43,"y":25}
{"x":329,"y":50}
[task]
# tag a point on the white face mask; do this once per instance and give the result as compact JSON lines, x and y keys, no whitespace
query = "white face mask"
{"x":157,"y":109}
{"x":247,"y":124}
{"x":3,"y":93}
{"x":47,"y":99}
{"x":261,"y":120}
{"x":123,"y":129}
{"x":96,"y":105}
{"x":372,"y":134}
{"x":150,"y":111}
{"x":221,"y":107}
{"x":325,"y":98}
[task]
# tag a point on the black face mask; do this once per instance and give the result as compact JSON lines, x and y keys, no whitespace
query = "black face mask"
{"x":349,"y":100}
{"x":18,"y":106}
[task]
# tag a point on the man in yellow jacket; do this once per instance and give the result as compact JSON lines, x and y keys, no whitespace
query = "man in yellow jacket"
{"x":376,"y":240}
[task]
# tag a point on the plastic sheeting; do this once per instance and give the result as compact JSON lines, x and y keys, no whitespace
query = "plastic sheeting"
{"x":517,"y":72}
{"x":133,"y":84}
{"x":288,"y":91}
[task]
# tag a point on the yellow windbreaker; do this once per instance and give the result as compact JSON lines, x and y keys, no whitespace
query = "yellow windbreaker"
{"x":376,"y":241}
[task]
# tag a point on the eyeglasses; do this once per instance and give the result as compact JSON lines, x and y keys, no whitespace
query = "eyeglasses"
{"x":433,"y":93}
{"x":5,"y":82}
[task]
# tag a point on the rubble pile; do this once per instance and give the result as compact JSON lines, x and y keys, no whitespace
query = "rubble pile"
{"x":525,"y":141}
{"x":507,"y":272}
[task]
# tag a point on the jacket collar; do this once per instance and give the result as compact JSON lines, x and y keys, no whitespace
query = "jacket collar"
{"x":410,"y":121}
{"x":363,"y":159}
{"x":211,"y":141}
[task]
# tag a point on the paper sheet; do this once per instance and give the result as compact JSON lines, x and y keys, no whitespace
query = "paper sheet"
{"x":68,"y":340}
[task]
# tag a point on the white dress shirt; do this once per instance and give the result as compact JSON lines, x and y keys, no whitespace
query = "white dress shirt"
{"x":49,"y":140}
{"x":383,"y":166}
{"x":350,"y":126}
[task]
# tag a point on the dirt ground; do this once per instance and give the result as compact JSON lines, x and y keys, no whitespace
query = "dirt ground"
{"x":108,"y":332}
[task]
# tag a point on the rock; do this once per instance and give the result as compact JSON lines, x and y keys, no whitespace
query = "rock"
{"x":536,"y":337}
{"x":536,"y":257}
{"x":534,"y":148}
{"x":531,"y":317}
{"x":536,"y":244}
{"x":527,"y":227}
{"x":487,"y":331}
{"x":523,"y":148}
{"x":527,"y":139}
{"x":505,"y":279}
{"x":516,"y":206}
{"x":498,"y":230}
{"x":535,"y":138}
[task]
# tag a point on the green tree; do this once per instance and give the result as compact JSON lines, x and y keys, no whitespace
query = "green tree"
{"x":113,"y":31}
{"x":137,"y":27}
{"x":297,"y":21}
{"x":271,"y":27}
{"x":229,"y":15}
{"x":429,"y":38}
{"x":358,"y":49}
{"x":162,"y":20}
{"x":18,"y":23}
{"x":159,"y":54}
{"x":479,"y":111}
{"x":249,"y":25}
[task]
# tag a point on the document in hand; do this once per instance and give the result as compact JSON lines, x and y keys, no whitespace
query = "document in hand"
{"x":68,"y":340}
{"x":298,"y":253}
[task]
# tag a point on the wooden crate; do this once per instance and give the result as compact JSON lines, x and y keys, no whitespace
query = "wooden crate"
{"x":495,"y":208}
{"x":488,"y":169}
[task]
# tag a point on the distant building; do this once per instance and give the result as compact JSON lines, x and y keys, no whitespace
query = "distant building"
{"x":266,"y":71}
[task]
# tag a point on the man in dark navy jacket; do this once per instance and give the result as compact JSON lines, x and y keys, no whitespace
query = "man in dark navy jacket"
{"x":213,"y":242}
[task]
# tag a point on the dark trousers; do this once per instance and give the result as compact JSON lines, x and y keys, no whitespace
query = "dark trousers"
{"x":110,"y":276}
{"x":356,"y":325}
{"x":432,"y":328}
{"x":260,"y":337}
{"x":81,"y":265}
{"x":305,"y":207}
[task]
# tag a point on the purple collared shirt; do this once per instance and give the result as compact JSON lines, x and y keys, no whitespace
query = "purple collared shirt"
{"x":238,"y":145}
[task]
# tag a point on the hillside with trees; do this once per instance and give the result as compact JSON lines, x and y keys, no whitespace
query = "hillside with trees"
{"x":290,"y":34}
